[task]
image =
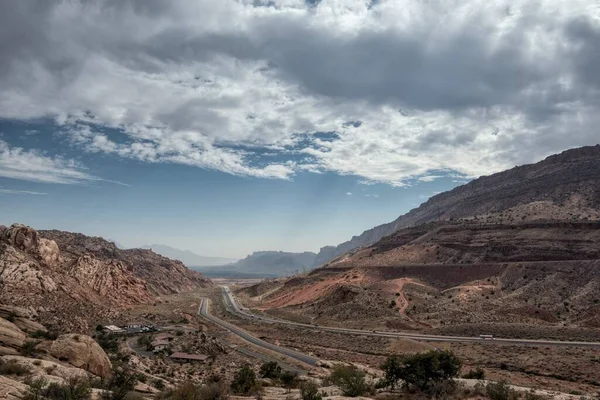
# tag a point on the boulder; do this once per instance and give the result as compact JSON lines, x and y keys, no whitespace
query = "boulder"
{"x":12,"y":390}
{"x":10,"y":335}
{"x":50,"y":371}
{"x":48,"y":251}
{"x":21,"y":237}
{"x":81,"y":351}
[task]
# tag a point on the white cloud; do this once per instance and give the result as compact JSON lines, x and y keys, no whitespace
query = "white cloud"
{"x":13,"y":191}
{"x":429,"y":178}
{"x":348,"y":193}
{"x":410,"y":89}
{"x":32,"y":165}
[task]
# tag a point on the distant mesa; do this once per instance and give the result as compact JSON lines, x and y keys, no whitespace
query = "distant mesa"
{"x":264,"y":264}
{"x":187,"y":257}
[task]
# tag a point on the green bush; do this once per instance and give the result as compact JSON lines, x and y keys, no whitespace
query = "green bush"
{"x":44,"y":335}
{"x":119,"y":384}
{"x":270,"y":370}
{"x":74,"y":388}
{"x":310,"y":391}
{"x":288,"y":379}
{"x":350,"y":379}
{"x":28,"y":348}
{"x":477,"y":373}
{"x":422,"y":370}
{"x":244,"y":381}
{"x":190,"y":391}
{"x":500,"y":391}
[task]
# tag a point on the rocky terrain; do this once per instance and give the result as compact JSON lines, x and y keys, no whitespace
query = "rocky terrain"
{"x":25,"y":355}
{"x":519,"y":249}
{"x":71,"y":279}
{"x":551,"y":181}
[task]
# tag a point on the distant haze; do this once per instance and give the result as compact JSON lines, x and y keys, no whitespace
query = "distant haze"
{"x":187,"y":257}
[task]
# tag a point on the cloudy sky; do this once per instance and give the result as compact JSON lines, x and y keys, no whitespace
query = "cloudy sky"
{"x":236,"y":125}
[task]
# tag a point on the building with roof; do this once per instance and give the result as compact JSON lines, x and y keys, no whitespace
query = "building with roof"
{"x":159,"y":345}
{"x":186,"y":357}
{"x":113,"y":329}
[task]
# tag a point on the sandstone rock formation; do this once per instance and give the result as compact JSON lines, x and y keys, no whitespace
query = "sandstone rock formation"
{"x":11,"y":337}
{"x":552,"y":180}
{"x":73,"y":279}
{"x":11,"y":389}
{"x":80,"y":351}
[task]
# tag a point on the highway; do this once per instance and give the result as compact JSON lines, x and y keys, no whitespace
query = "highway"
{"x":203,"y":311}
{"x":236,"y":309}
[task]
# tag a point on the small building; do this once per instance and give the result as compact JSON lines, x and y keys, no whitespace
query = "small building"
{"x":186,"y":357}
{"x":165,"y":336}
{"x":113,"y":329}
{"x":159,"y":345}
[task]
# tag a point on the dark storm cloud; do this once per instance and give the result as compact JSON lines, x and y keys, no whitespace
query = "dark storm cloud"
{"x":498,"y":81}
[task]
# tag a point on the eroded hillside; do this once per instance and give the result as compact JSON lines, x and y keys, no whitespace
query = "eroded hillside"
{"x":72,"y":279}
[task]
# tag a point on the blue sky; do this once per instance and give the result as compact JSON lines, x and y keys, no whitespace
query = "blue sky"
{"x":237,"y":125}
{"x":209,"y":212}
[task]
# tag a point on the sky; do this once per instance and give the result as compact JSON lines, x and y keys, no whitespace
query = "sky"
{"x":230,"y":126}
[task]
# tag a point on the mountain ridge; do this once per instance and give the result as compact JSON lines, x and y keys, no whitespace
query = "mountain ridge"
{"x":444,"y":206}
{"x":187,"y":257}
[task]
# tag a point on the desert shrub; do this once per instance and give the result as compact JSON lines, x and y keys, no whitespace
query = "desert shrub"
{"x":270,"y":369}
{"x":145,"y":341}
{"x":39,"y":334}
{"x":214,"y":391}
{"x":350,"y":379}
{"x":74,"y":388}
{"x":11,"y":367}
{"x":477,"y":373}
{"x":11,"y":316}
{"x":108,"y":342}
{"x":288,"y":379}
{"x":120,"y":382}
{"x":310,"y":391}
{"x":422,"y":370}
{"x":500,"y":391}
{"x":179,"y":332}
{"x":28,"y":348}
{"x":244,"y":381}
{"x":158,"y":383}
{"x":190,"y":391}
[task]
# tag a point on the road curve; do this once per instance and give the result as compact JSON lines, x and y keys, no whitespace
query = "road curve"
{"x":203,"y":311}
{"x":235,"y":308}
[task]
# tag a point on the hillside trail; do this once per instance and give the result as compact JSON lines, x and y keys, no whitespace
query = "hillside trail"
{"x":401,"y":300}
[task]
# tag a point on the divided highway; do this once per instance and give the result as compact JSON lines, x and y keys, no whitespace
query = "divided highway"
{"x":235,"y":308}
{"x":203,"y":311}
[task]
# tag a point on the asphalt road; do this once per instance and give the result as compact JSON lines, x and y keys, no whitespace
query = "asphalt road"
{"x":203,"y":311}
{"x":235,"y":308}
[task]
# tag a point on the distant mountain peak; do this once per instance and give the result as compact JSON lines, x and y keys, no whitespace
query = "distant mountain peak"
{"x":188,"y":257}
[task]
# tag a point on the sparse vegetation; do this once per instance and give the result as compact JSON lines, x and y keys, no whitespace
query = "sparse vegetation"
{"x":12,"y":367}
{"x":190,"y":391}
{"x":270,"y":370}
{"x":477,"y":373}
{"x":310,"y":391}
{"x":44,"y":335}
{"x":74,"y":388}
{"x":350,"y":380}
{"x":28,"y":348}
{"x":288,"y":379}
{"x":121,"y":382}
{"x":500,"y":391}
{"x":244,"y":381}
{"x":423,"y":371}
